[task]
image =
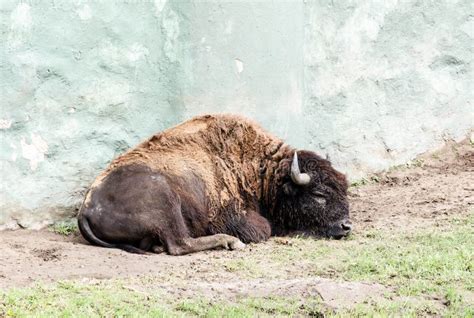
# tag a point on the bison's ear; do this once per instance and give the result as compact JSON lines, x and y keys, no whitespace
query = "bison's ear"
{"x":290,"y":189}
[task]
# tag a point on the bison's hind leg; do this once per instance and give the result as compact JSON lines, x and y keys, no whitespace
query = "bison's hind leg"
{"x":157,"y":249}
{"x":176,"y":239}
{"x":146,"y":243}
{"x":155,"y":209}
{"x":150,"y":244}
{"x":191,"y":245}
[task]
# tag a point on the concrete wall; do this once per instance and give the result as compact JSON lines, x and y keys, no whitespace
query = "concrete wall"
{"x":387,"y":80}
{"x":371,"y":83}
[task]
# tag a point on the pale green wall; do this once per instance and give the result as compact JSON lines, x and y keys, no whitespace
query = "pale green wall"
{"x":81,"y":82}
{"x":246,"y":58}
{"x":372,"y":83}
{"x":387,"y":80}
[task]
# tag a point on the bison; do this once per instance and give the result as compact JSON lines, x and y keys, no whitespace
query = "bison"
{"x":213,"y":181}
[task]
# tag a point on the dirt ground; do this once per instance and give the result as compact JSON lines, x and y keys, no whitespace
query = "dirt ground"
{"x":433,"y":188}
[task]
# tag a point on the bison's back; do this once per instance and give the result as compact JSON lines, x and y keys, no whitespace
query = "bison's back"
{"x":225,"y":151}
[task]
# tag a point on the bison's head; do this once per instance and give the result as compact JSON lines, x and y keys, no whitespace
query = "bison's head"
{"x":313,"y":197}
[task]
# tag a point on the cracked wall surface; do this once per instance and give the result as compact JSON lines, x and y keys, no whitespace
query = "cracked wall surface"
{"x":371,"y":84}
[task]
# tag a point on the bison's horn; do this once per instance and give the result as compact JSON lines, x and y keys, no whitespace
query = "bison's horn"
{"x":298,"y":177}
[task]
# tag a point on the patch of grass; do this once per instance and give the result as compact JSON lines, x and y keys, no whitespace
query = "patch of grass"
{"x":253,"y":307}
{"x":416,"y":163}
{"x":429,"y":263}
{"x":65,"y":228}
{"x":292,"y":307}
{"x":67,"y":299}
{"x":237,"y":265}
{"x":369,"y":180}
{"x":391,"y":308}
{"x":268,"y":264}
{"x":360,"y":182}
{"x":300,"y":248}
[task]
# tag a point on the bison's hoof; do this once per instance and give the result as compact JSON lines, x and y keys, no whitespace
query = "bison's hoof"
{"x":236,"y":245}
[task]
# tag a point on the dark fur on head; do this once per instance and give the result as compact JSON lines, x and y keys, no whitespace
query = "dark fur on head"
{"x":318,"y":208}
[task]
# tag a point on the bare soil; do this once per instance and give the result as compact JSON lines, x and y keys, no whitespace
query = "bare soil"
{"x":434,"y":188}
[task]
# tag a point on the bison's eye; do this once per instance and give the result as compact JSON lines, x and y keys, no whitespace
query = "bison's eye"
{"x":319,"y":197}
{"x":317,"y":193}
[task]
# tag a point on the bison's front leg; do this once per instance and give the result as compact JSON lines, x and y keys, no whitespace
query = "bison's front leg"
{"x":191,"y":245}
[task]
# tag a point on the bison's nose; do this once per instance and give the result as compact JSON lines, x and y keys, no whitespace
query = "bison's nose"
{"x":340,"y":229}
{"x":346,"y":226}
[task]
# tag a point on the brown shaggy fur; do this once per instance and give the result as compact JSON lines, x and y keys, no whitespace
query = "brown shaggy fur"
{"x":232,"y":145}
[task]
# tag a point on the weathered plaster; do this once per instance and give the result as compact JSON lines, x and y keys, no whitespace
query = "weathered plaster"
{"x":246,"y":57}
{"x":386,"y":80}
{"x":35,"y":151}
{"x":80,"y":83}
{"x":370,"y":83}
